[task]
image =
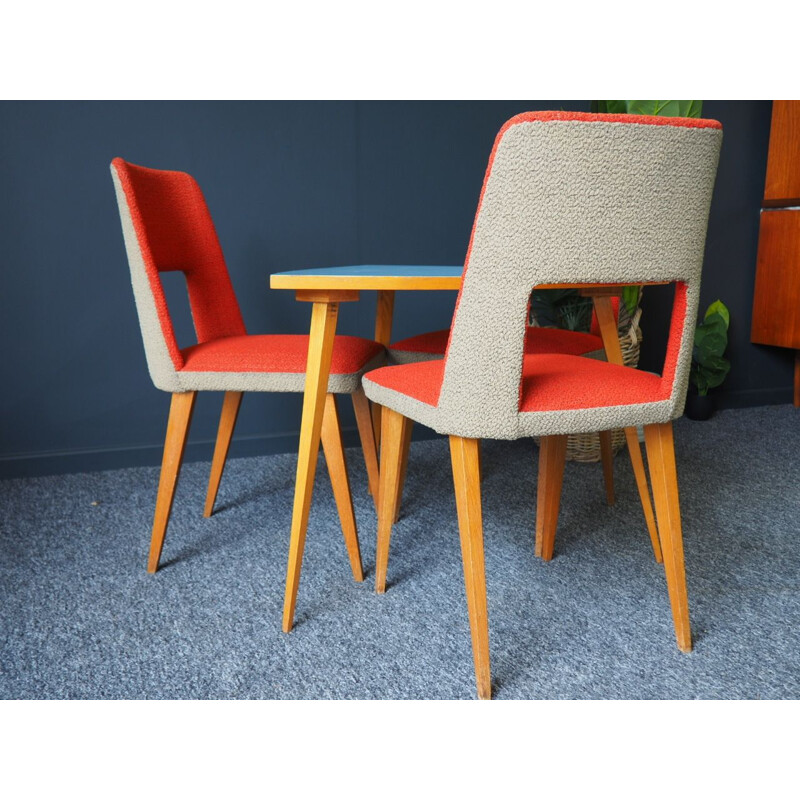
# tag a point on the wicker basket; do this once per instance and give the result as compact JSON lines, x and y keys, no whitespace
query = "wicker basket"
{"x":585,"y":447}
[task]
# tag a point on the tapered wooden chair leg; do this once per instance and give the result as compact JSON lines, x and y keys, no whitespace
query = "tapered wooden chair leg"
{"x":607,"y":459}
{"x":465,"y":457}
{"x":663,"y":474}
{"x":552,"y":456}
{"x":227,"y":422}
{"x":405,"y":447}
{"x":368,"y":446}
{"x":337,"y":468}
{"x":635,"y":453}
{"x":180,"y":417}
{"x":393,"y":427}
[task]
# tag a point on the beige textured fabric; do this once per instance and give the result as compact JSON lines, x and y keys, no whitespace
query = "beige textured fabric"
{"x":569,"y":201}
{"x":411,"y":356}
{"x":345,"y":383}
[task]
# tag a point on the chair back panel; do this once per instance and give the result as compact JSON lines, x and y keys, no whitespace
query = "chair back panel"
{"x":578,"y":198}
{"x":167,"y":227}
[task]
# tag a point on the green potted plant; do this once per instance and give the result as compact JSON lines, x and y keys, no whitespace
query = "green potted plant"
{"x":653,"y":108}
{"x":709,"y":366}
{"x":561,"y":308}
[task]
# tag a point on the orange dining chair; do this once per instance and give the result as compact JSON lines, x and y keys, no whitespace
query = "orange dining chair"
{"x":567,"y":198}
{"x":541,"y":340}
{"x":167,"y":227}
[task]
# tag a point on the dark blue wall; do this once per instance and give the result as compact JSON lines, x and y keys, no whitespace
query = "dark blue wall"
{"x":290,"y":185}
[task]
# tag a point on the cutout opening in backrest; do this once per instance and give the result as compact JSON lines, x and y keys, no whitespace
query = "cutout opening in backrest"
{"x":177,"y":296}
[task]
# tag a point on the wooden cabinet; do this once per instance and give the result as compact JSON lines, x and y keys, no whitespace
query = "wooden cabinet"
{"x":776,"y":302}
{"x":782,"y":187}
{"x":776,"y":305}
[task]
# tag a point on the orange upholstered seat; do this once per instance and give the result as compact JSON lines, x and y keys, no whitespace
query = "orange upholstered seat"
{"x":564,"y":383}
{"x":550,"y":382}
{"x":276,"y":353}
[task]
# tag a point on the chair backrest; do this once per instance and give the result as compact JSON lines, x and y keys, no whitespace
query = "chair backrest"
{"x":167,"y":227}
{"x":578,"y":198}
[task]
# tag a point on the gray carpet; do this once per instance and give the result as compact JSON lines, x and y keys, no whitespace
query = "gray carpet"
{"x":82,"y":619}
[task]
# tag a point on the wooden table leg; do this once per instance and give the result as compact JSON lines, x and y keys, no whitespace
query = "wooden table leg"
{"x":383,"y":334}
{"x":406,"y":446}
{"x":366,"y":433}
{"x":340,"y":482}
{"x":610,"y":335}
{"x":320,"y":349}
{"x":394,"y":425}
{"x":607,"y":460}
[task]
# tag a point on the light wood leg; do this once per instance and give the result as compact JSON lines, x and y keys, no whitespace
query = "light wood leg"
{"x":383,"y":334}
{"x":467,"y":483}
{"x":663,"y":474}
{"x":635,"y":452}
{"x":607,"y":458}
{"x":180,"y":417}
{"x":320,"y":348}
{"x":608,"y":328}
{"x":552,"y":456}
{"x":610,"y":335}
{"x":340,"y":482}
{"x":227,"y":422}
{"x":405,"y":447}
{"x":394,"y":426}
{"x":367,"y":436}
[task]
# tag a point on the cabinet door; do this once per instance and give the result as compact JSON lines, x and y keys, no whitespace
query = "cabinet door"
{"x":776,"y":306}
{"x":782,"y":187}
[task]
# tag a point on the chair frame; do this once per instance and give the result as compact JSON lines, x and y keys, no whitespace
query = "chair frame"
{"x":486,"y":334}
{"x":183,"y":238}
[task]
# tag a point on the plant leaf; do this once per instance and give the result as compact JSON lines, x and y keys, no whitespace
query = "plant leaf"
{"x":711,"y":339}
{"x":694,"y":109}
{"x":718,"y":307}
{"x":649,"y":107}
{"x":709,"y":367}
{"x":662,"y":108}
{"x":717,"y":376}
{"x":630,"y":296}
{"x":612,"y":106}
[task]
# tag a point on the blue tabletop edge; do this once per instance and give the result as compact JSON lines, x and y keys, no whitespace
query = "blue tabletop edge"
{"x":382,"y":270}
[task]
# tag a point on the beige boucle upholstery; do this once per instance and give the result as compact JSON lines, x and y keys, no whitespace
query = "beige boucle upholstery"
{"x":569,"y":201}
